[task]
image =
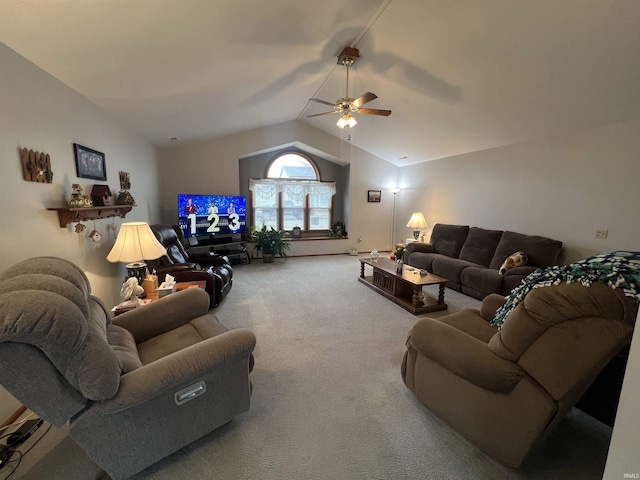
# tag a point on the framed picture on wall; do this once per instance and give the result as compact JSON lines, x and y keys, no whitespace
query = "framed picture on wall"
{"x":90,"y":163}
{"x":374,"y":196}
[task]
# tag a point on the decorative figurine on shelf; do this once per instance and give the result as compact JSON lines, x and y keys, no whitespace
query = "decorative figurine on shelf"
{"x":101,"y":195}
{"x":125,"y":198}
{"x":338,"y":230}
{"x":77,"y":199}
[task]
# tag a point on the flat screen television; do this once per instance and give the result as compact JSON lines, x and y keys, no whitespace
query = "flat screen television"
{"x":204,"y":215}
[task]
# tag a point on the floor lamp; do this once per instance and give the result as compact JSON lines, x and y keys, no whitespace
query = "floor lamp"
{"x":393,"y":218}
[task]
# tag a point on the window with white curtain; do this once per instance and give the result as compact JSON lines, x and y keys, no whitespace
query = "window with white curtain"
{"x":292,"y":195}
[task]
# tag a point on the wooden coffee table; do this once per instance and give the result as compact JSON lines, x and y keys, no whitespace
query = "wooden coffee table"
{"x":404,"y":289}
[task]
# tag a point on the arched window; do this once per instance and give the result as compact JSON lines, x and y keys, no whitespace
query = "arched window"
{"x":292,"y":195}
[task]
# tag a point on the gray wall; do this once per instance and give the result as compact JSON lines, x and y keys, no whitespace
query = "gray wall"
{"x":40,"y":113}
{"x":564,"y":188}
{"x":213,"y":166}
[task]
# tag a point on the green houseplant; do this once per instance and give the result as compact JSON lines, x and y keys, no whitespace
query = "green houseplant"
{"x":271,"y":242}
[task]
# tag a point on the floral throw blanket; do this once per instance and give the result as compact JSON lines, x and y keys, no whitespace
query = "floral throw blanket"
{"x":619,"y":269}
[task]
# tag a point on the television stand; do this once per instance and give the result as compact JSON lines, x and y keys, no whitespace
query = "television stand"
{"x":233,"y":248}
{"x":236,"y":251}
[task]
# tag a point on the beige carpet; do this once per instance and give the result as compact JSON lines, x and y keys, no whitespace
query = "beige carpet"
{"x":328,"y":399}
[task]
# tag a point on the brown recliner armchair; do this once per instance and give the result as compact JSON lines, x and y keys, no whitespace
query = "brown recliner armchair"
{"x":505,"y":389}
{"x":133,"y":389}
{"x":214,"y":269}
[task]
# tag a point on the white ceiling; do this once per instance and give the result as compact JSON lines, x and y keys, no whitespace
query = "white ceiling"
{"x":459,"y":76}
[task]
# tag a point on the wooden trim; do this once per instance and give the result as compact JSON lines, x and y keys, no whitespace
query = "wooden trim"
{"x":66,"y":215}
{"x":14,"y":416}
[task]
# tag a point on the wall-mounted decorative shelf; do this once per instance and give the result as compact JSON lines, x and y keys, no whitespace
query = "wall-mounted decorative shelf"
{"x":68,"y":215}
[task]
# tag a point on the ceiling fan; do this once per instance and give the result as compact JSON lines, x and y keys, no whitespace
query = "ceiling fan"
{"x":346,"y":105}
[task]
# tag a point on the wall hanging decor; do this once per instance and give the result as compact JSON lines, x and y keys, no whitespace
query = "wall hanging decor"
{"x":36,"y":166}
{"x":90,"y":163}
{"x":374,"y":196}
{"x":124,"y":197}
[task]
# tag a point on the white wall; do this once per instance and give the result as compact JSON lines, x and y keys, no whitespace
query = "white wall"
{"x":40,"y":113}
{"x":212,"y":167}
{"x":563,"y":188}
{"x":624,"y":450}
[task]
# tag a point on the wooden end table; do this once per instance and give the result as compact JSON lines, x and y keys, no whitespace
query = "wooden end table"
{"x":404,"y":289}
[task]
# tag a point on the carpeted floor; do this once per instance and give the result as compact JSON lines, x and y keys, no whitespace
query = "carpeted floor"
{"x":328,"y":399}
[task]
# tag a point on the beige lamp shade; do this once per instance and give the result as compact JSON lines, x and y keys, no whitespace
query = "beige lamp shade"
{"x":417,"y":222}
{"x":135,"y":242}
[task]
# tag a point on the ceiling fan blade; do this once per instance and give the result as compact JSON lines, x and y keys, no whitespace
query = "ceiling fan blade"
{"x":366,"y":98}
{"x":374,"y":111}
{"x":323,"y":101}
{"x":318,"y":114}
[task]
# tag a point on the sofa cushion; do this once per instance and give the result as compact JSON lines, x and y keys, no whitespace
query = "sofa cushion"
{"x":541,"y":251}
{"x":448,"y":239}
{"x":424,"y":260}
{"x":450,"y":268}
{"x":478,"y":282}
{"x":480,"y":245}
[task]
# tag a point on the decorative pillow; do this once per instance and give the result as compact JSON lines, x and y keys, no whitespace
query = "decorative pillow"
{"x":517,"y":259}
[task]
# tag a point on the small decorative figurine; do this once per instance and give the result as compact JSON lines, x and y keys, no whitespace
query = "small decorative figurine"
{"x":95,"y":235}
{"x":77,"y":199}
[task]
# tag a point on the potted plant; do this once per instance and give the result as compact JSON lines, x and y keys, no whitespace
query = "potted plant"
{"x":271,"y":242}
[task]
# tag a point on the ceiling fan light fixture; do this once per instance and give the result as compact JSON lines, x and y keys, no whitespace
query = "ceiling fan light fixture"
{"x":346,"y":121}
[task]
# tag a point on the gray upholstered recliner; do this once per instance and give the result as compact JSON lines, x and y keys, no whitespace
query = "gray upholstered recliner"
{"x":134,"y":389}
{"x":505,"y":389}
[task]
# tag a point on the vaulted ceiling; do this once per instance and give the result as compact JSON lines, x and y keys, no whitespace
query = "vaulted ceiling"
{"x":459,"y":76}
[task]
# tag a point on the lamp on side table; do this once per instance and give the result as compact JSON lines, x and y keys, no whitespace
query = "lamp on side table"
{"x":417,"y":222}
{"x":136,"y":243}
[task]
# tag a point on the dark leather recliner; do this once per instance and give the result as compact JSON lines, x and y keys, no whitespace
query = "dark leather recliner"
{"x":208,"y":266}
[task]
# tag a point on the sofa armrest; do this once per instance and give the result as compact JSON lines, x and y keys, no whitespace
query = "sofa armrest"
{"x":164,"y":314}
{"x":419,"y":247}
{"x":512,"y":277}
{"x":521,"y":271}
{"x":209,"y":258}
{"x":490,"y":305}
{"x":171,"y":269}
{"x":464,"y":355}
{"x":180,"y":368}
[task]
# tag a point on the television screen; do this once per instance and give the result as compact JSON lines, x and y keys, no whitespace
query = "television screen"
{"x":200,"y":215}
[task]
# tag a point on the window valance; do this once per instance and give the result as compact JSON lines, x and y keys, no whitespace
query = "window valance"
{"x":293,"y":189}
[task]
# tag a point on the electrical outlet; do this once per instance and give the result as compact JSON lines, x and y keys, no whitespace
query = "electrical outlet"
{"x":602,"y":233}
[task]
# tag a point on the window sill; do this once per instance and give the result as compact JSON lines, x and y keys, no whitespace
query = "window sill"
{"x":315,"y":237}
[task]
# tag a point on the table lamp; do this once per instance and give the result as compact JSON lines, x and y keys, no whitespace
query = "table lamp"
{"x":136,"y":243}
{"x":417,"y":222}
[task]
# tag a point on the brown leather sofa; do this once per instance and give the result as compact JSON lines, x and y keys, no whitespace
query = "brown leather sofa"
{"x":505,"y":389}
{"x":214,"y":269}
{"x":470,"y":257}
